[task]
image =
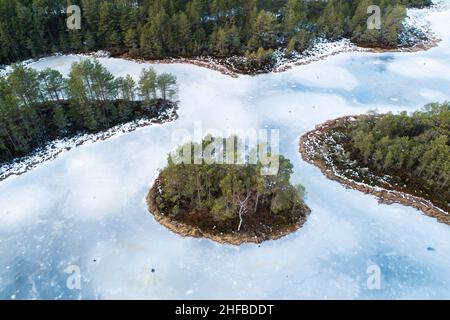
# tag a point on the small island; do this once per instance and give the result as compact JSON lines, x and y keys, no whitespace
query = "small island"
{"x":399,"y":158}
{"x":227,"y":203}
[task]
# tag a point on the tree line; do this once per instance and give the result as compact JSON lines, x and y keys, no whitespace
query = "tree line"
{"x":414,"y":147}
{"x":157,"y":29}
{"x":38,"y":106}
{"x":228,"y":197}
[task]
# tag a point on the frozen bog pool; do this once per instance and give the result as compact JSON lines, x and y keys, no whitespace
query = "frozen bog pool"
{"x":86,"y":209}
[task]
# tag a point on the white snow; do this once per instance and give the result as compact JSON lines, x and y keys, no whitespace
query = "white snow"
{"x":87,"y":207}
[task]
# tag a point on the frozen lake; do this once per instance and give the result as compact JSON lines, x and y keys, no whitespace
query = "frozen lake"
{"x":87,"y":207}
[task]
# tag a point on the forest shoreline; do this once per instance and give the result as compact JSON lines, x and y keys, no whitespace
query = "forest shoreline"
{"x":313,"y":54}
{"x":308,"y":146}
{"x":53,"y":149}
{"x":225,"y":68}
{"x":185,"y":230}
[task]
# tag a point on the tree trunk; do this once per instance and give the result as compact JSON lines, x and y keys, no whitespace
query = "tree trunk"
{"x":256,"y":202}
{"x":242,"y":209}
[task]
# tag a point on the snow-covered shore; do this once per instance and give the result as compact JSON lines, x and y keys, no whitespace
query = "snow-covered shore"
{"x":310,"y":145}
{"x":418,"y":36}
{"x":53,"y":149}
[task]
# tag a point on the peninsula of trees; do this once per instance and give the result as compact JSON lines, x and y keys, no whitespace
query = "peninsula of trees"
{"x":228,"y":203}
{"x":409,"y":154}
{"x":39,"y":106}
{"x":156,"y":29}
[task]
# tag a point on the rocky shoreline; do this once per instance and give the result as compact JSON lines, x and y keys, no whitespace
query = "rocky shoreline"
{"x":204,"y":62}
{"x":185,"y":230}
{"x":226,"y":68}
{"x":309,"y":144}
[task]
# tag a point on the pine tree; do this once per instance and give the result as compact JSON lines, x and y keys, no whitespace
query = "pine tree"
{"x":52,"y":84}
{"x":294,"y":16}
{"x":25,"y":85}
{"x":264,"y":31}
{"x":167,"y":86}
{"x":127,"y":88}
{"x":60,"y":119}
{"x":147,"y":85}
{"x":183,"y":38}
{"x":220,"y":40}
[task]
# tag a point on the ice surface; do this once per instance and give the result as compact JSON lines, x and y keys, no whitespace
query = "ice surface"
{"x":87,"y":207}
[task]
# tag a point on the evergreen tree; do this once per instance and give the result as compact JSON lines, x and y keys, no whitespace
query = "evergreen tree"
{"x":172,"y":28}
{"x":60,"y":119}
{"x":147,"y":84}
{"x":166,"y":84}
{"x":38,"y":106}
